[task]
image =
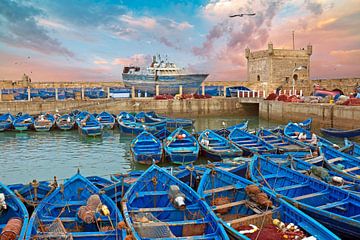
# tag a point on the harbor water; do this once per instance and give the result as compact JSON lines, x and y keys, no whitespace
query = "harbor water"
{"x":42,"y":155}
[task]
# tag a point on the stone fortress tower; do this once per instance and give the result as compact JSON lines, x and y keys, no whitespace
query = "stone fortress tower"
{"x":271,"y":68}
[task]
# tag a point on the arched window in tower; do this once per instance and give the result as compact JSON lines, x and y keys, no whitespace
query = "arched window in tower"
{"x":295,"y":77}
{"x":258,"y":78}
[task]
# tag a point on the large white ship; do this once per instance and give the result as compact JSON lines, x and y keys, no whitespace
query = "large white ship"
{"x":165,"y":74}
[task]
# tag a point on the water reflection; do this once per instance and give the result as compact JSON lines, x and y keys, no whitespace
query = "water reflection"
{"x":32,"y":155}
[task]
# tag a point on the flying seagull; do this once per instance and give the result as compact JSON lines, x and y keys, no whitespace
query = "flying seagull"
{"x":242,"y":14}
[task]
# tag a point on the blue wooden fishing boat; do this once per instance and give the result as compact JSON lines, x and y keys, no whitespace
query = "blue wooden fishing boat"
{"x":162,"y":134}
{"x":135,"y":128}
{"x":294,"y":131}
{"x":339,"y":133}
{"x":23,"y":123}
{"x":340,"y":162}
{"x":125,"y":116}
{"x":44,"y":122}
{"x":315,"y":168}
{"x":187,"y":174}
{"x":6,"y":122}
{"x":65,"y":122}
{"x":216,"y":147}
{"x":99,"y":182}
{"x":33,"y":193}
{"x":351,"y":148}
{"x":128,"y":124}
{"x":224,"y":132}
{"x":306,"y":124}
{"x":336,"y":209}
{"x":170,"y":122}
{"x":285,"y":144}
{"x":234,"y":202}
{"x":14,"y":217}
{"x":90,"y":126}
{"x":325,"y":175}
{"x":80,"y":116}
{"x":106,"y":119}
{"x":146,"y":149}
{"x":250,"y":143}
{"x":181,"y":147}
{"x":160,"y":206}
{"x":76,"y":210}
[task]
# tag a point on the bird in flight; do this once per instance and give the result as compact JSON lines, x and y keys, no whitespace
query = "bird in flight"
{"x":242,"y":14}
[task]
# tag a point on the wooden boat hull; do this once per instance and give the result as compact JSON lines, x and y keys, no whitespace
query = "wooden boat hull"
{"x":149,"y":197}
{"x":181,"y":147}
{"x":341,"y":133}
{"x":15,"y":211}
{"x":23,"y":127}
{"x":91,"y":131}
{"x":216,"y":147}
{"x":5,"y":126}
{"x":6,"y":122}
{"x":217,"y":183}
{"x":146,"y":149}
{"x":73,"y":196}
{"x":336,"y":209}
{"x":340,"y":162}
{"x":65,"y":122}
{"x":147,"y":159}
{"x":250,"y":143}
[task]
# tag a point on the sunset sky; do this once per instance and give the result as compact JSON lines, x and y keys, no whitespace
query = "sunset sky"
{"x":70,"y":40}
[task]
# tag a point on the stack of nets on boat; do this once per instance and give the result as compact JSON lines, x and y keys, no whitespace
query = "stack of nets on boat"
{"x":55,"y":230}
{"x":148,"y":226}
{"x":12,"y":229}
{"x":257,"y":196}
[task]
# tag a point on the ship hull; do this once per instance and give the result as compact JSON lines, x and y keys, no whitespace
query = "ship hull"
{"x":167,"y":84}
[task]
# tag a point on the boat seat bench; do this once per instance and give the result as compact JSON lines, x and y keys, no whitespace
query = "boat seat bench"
{"x":162,"y":209}
{"x":351,"y":169}
{"x":289,"y":187}
{"x":331,"y":205}
{"x":335,"y":160}
{"x":316,"y":194}
{"x":250,"y":217}
{"x":227,"y":205}
{"x":222,"y":189}
{"x":174,"y":223}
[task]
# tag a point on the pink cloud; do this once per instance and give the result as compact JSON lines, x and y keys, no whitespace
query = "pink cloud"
{"x":144,"y":22}
{"x":136,"y":59}
{"x":331,"y":27}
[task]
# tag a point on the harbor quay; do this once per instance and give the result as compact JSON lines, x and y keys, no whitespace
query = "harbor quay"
{"x":323,"y":114}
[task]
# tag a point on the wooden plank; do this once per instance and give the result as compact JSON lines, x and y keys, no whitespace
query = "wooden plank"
{"x":227,"y":205}
{"x":351,"y":169}
{"x":289,"y":187}
{"x":247,"y":218}
{"x":331,"y":205}
{"x":308,"y":196}
{"x":220,"y":189}
{"x":335,"y":159}
{"x":274,"y":141}
{"x":250,"y":144}
{"x":175,"y":223}
{"x":160,"y":209}
{"x":268,"y":136}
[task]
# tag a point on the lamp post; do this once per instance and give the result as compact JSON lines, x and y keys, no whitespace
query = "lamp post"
{"x":293,"y":79}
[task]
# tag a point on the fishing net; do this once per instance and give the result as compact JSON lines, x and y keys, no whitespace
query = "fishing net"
{"x":53,"y":231}
{"x":257,"y":196}
{"x":193,"y":229}
{"x":221,"y":201}
{"x":148,"y":226}
{"x":12,"y":229}
{"x":257,"y":220}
